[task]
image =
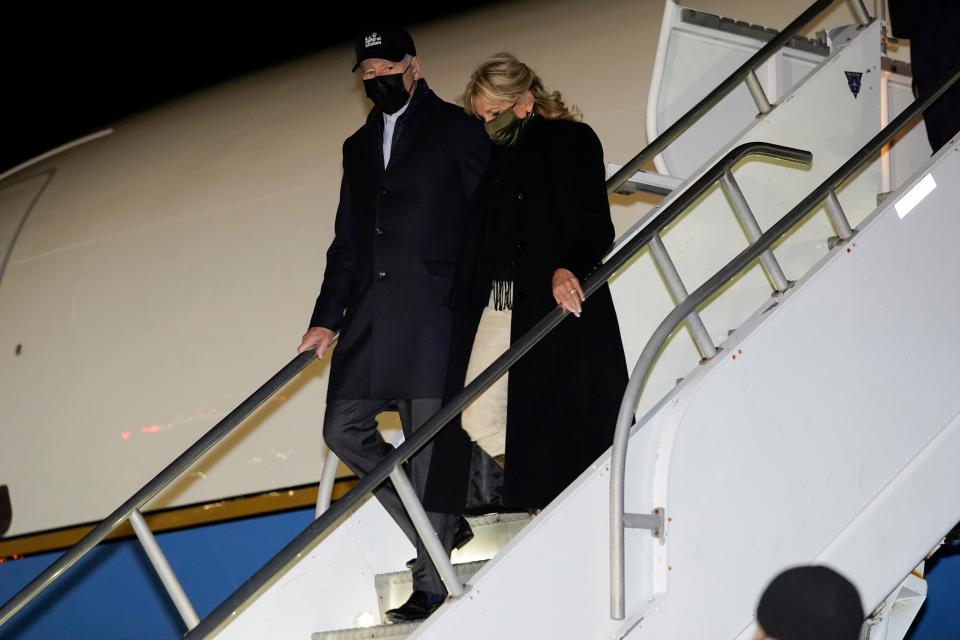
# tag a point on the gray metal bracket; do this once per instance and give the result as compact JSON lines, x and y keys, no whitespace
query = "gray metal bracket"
{"x":653,"y":521}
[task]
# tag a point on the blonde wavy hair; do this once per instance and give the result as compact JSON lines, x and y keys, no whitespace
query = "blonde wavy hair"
{"x":502,"y":77}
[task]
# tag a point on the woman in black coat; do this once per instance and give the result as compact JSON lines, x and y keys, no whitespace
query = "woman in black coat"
{"x":539,"y":224}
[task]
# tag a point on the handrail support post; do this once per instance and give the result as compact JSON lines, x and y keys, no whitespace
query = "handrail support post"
{"x":163,"y":569}
{"x":328,"y":477}
{"x":752,"y":228}
{"x":757,"y":93}
{"x":859,"y":12}
{"x":418,"y":516}
{"x":837,"y":217}
{"x":679,"y":292}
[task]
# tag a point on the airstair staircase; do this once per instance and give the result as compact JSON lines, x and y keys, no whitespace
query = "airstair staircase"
{"x":819,"y":111}
{"x":804,"y":413}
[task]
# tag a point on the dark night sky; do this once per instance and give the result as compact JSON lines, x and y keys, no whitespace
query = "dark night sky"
{"x":68,"y":75}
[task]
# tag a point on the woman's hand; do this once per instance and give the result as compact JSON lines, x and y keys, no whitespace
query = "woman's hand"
{"x":567,"y":291}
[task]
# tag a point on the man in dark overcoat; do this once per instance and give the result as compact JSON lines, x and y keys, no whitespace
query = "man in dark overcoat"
{"x":408,"y":174}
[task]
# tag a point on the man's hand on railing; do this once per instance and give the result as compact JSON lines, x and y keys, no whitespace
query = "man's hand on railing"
{"x":317,"y":338}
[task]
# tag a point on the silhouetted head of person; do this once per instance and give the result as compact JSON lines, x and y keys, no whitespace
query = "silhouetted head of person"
{"x":809,"y":603}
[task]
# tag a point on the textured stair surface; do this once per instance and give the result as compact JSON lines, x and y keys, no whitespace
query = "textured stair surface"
{"x":381,"y":632}
{"x":393,"y":589}
{"x":490,"y":533}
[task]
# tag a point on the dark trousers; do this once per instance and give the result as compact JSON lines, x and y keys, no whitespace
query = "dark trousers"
{"x":350,"y":430}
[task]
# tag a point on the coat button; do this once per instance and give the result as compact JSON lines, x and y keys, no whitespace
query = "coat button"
{"x":381,"y":274}
{"x":383,"y":191}
{"x":520,"y":196}
{"x":521,"y":245}
{"x":379,"y":230}
{"x":520,"y":296}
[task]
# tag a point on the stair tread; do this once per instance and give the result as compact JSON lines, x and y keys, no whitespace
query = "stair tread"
{"x":393,"y":588}
{"x":379,"y":632}
{"x":490,"y":519}
{"x":406,"y":576}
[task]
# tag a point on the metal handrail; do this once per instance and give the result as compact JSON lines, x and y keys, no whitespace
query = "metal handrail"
{"x":744,"y":73}
{"x":627,"y":417}
{"x":426,"y":432}
{"x":172,"y":471}
{"x":288,"y":372}
{"x":423,"y":434}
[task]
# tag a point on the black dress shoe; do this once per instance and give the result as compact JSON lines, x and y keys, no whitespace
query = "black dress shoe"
{"x":462,"y":534}
{"x":420,"y":605}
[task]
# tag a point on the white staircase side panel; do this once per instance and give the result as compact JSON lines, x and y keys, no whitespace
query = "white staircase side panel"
{"x":855,"y":381}
{"x":681,"y":77}
{"x":820,"y":115}
{"x":332,"y":587}
{"x":349,"y":579}
{"x":832,"y":437}
{"x":691,"y":60}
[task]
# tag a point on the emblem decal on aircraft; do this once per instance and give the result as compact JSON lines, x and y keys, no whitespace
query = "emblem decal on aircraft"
{"x":853,"y":81}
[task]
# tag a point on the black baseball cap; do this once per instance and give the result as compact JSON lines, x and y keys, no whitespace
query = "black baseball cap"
{"x":811,"y":603}
{"x":388,"y":42}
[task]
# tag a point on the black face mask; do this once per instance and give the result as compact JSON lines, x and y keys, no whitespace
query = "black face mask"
{"x":388,"y":92}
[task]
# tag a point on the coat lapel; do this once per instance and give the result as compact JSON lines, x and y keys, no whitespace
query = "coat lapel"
{"x":409,"y":128}
{"x":374,"y":142}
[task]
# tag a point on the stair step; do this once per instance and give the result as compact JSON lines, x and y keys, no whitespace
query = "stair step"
{"x":490,"y":533}
{"x":393,"y":589}
{"x":380,"y":632}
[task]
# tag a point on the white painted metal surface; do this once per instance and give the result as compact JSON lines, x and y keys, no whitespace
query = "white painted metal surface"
{"x":342,"y":582}
{"x":333,"y":587}
{"x":820,"y":115}
{"x":680,"y":78}
{"x":691,"y":60}
{"x":826,"y":434}
{"x":893,"y":620}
